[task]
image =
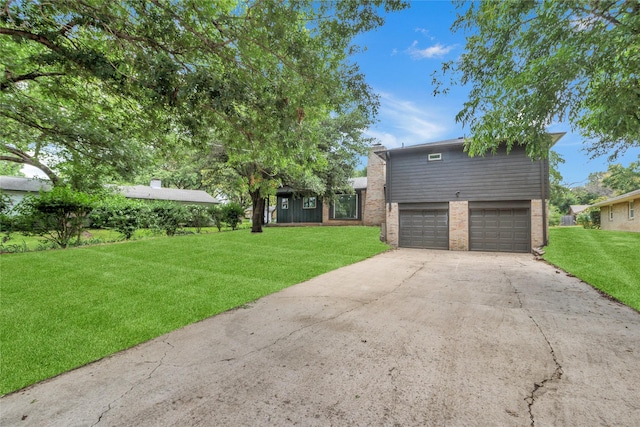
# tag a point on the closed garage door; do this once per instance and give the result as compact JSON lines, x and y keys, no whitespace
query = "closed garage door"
{"x":500,"y":227}
{"x":426,"y":228}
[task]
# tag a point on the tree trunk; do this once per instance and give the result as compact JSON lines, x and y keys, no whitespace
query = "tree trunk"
{"x":257,"y":203}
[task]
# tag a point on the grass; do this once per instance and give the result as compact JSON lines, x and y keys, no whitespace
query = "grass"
{"x":64,"y":308}
{"x":608,"y":260}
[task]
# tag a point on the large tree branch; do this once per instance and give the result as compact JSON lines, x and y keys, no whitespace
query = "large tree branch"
{"x":10,"y":79}
{"x":24,"y":158}
{"x":38,"y":38}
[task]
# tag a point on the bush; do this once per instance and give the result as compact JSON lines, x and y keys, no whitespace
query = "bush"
{"x":167,"y":217}
{"x":589,"y":218}
{"x":232,"y":214}
{"x":121,"y":214}
{"x":198,"y":216}
{"x":58,"y":215}
{"x":217,"y":215}
{"x":554,"y":216}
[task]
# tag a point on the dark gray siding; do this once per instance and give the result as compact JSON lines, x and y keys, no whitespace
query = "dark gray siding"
{"x":296,"y":213}
{"x":411,"y":178}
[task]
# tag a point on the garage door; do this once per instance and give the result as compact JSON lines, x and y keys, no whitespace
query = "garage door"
{"x":500,"y":228}
{"x":426,"y":228}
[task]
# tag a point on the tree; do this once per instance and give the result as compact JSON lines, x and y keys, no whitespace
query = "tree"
{"x":58,"y":215}
{"x":530,"y":63}
{"x":623,"y":180}
{"x":244,"y":73}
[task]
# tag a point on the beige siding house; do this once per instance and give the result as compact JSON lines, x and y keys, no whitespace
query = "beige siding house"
{"x":620,"y":212}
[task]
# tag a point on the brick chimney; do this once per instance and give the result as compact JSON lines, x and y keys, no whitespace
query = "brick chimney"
{"x":374,"y":213}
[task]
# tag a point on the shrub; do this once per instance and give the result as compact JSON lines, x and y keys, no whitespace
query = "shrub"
{"x":217,"y":215}
{"x":554,"y":216}
{"x":167,"y":217}
{"x":121,"y":214}
{"x":589,"y":218}
{"x":232,"y":214}
{"x":198,"y":216}
{"x":57,"y":215}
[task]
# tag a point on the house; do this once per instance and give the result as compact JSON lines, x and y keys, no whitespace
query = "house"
{"x":155,"y":191}
{"x":363,"y":206}
{"x":438,"y":197}
{"x":18,"y":187}
{"x":574,"y":211}
{"x":619,"y":213}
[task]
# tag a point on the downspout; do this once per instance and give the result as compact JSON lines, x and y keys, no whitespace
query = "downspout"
{"x":543,"y":180}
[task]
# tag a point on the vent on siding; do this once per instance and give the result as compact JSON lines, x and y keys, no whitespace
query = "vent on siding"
{"x":434,"y":156}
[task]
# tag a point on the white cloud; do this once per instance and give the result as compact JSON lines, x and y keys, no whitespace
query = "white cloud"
{"x":436,"y":51}
{"x":405,"y":122}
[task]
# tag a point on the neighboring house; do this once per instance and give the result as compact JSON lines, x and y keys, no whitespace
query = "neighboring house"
{"x":364,"y":206}
{"x":619,"y":213}
{"x":17,"y":187}
{"x":155,"y":191}
{"x":570,"y":218}
{"x":438,"y":197}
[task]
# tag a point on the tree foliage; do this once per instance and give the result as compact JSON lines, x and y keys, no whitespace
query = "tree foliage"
{"x":58,"y":215}
{"x":623,"y":180}
{"x":101,"y":83}
{"x":530,"y":63}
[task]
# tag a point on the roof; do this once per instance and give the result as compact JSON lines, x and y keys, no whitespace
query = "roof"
{"x":174,"y":194}
{"x":18,"y":183}
{"x":627,"y":197}
{"x":555,"y":136}
{"x":359,"y":183}
{"x":576,"y":209}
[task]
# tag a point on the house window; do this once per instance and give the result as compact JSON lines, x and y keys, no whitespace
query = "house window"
{"x":345,"y":206}
{"x":631,"y":209}
{"x":434,"y":156}
{"x":285,"y":203}
{"x":610,"y":213}
{"x":308,"y":203}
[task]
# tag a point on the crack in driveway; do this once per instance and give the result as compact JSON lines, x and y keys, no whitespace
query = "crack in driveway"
{"x":135,"y":385}
{"x":362,"y":304}
{"x":557,"y":373}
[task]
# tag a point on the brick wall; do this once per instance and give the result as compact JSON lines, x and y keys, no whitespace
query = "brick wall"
{"x":392,"y":225}
{"x":459,"y":226}
{"x":374,"y":203}
{"x":537,"y":236}
{"x":621,"y":220}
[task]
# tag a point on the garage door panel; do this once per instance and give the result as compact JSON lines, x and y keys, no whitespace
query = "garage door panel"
{"x":424,"y":228}
{"x":499,"y":229}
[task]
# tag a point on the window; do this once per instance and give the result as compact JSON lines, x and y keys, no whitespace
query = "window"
{"x":631,"y":209}
{"x":345,"y":206}
{"x":308,"y":203}
{"x":610,"y":213}
{"x":285,"y":203}
{"x":434,"y":156}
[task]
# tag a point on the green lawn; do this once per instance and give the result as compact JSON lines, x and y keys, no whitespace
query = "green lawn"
{"x":64,"y":308}
{"x":608,"y":260}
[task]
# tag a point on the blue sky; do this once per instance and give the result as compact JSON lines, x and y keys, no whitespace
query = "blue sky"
{"x":398,"y":63}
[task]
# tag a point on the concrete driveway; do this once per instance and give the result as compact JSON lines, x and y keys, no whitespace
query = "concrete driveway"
{"x":407,"y":338}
